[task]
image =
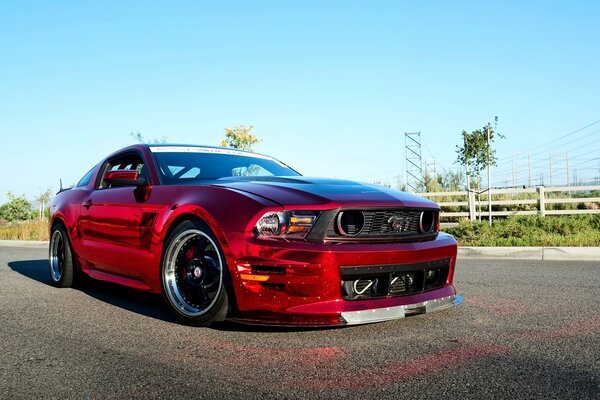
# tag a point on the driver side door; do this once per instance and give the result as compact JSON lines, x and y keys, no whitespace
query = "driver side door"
{"x":115,"y":223}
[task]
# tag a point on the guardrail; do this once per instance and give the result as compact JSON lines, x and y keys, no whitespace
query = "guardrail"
{"x":507,"y":202}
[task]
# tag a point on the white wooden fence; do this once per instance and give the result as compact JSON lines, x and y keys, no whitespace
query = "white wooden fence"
{"x":537,"y":197}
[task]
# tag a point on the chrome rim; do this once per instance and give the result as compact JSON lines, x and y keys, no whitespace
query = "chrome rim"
{"x":193,"y":273}
{"x":57,"y":255}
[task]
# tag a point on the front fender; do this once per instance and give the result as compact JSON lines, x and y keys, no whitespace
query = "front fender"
{"x":221,"y":209}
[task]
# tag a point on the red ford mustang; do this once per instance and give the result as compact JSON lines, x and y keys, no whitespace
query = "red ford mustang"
{"x":223,"y":233}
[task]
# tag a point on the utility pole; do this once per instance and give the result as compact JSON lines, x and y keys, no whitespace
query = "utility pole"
{"x":521,"y":164}
{"x":398,"y":182}
{"x":489,"y":170}
{"x":469,"y":197}
{"x":550,"y":158}
{"x":568,"y":181}
{"x":430,"y":168}
{"x":529,"y":168}
{"x":514,"y":178}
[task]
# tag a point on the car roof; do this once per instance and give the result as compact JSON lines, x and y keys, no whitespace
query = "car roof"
{"x":160,"y":147}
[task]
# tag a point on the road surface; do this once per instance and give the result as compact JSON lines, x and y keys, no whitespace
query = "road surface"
{"x":528,"y":329}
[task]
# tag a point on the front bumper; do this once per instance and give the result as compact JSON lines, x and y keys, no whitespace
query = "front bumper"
{"x":288,"y":283}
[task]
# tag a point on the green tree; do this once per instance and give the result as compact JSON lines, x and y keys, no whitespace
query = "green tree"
{"x":17,"y":208}
{"x":430,"y":184}
{"x":240,"y":137}
{"x":451,"y":181}
{"x":475,"y":150}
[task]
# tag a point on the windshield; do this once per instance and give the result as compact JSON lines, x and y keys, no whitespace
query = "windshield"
{"x":199,"y":164}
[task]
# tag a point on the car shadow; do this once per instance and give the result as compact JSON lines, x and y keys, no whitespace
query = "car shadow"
{"x":32,"y":269}
{"x":137,"y":301}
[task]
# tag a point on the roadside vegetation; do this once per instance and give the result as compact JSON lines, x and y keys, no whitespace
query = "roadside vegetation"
{"x":25,"y":230}
{"x":20,"y":221}
{"x":530,"y":230}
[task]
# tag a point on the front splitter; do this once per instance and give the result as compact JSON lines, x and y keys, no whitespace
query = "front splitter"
{"x":366,"y":316}
{"x":396,"y":312}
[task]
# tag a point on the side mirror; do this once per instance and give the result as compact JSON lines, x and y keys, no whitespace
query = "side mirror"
{"x":124,"y":177}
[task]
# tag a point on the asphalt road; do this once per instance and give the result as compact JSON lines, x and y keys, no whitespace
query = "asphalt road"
{"x":527,"y":330}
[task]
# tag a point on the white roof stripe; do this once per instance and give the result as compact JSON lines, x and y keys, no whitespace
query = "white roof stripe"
{"x":210,"y":150}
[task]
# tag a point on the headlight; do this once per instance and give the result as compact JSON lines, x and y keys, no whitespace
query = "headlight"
{"x":285,"y":224}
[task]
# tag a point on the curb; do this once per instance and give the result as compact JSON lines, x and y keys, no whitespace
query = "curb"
{"x":501,"y":253}
{"x":25,"y":243}
{"x":531,"y":253}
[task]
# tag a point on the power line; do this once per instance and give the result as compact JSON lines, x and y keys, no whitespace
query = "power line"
{"x":556,"y":140}
{"x":562,"y":145}
{"x":585,"y":162}
{"x":435,"y":159}
{"x":544,"y":159}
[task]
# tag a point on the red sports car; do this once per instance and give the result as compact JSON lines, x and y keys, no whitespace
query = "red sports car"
{"x":223,"y":233}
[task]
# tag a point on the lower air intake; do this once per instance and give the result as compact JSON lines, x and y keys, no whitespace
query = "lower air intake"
{"x":359,"y":283}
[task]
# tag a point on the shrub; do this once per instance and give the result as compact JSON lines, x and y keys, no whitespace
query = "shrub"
{"x":530,"y":230}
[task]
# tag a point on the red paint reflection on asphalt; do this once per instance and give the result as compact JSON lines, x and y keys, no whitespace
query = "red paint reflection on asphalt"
{"x":335,"y":376}
{"x":397,"y":372}
{"x":499,"y":306}
{"x":267,"y":355}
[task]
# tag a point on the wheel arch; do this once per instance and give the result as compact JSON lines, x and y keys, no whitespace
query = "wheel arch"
{"x":194,"y":213}
{"x":56,"y":221}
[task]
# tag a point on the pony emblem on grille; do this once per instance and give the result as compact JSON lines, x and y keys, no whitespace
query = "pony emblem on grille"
{"x":398,"y":223}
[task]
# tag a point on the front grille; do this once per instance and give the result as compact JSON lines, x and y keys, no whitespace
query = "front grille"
{"x":377,"y":222}
{"x":369,"y":282}
{"x":380,"y":224}
{"x":375,"y":225}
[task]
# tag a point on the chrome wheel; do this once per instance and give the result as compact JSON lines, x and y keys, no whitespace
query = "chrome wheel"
{"x":193,"y":273}
{"x":57,"y":255}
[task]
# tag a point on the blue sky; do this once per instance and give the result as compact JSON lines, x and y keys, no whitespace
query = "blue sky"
{"x":330,"y":86}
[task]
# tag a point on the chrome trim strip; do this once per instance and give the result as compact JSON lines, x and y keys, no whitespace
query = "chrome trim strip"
{"x":388,"y":313}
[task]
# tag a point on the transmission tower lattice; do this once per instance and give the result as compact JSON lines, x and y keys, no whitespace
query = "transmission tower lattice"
{"x":414,"y":163}
{"x":430,"y":168}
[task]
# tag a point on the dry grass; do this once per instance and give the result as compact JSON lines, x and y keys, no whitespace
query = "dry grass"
{"x":27,"y":230}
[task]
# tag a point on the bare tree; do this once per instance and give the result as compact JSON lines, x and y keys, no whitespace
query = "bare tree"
{"x":141,"y":139}
{"x":43,"y":199}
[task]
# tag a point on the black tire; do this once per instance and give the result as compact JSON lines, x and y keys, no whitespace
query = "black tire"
{"x":60,"y":257}
{"x":194,"y":275}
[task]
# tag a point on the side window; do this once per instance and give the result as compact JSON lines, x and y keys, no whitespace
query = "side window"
{"x":86,"y":178}
{"x":128,"y":161}
{"x":176,"y":172}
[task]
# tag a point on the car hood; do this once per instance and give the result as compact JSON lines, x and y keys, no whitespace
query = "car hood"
{"x":300,"y":190}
